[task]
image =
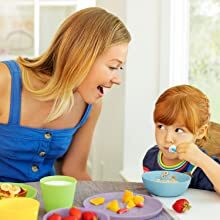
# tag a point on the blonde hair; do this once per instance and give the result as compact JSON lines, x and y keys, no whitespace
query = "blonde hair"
{"x":186,"y":103}
{"x":81,"y":38}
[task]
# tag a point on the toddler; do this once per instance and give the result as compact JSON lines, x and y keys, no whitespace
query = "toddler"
{"x":181,"y":118}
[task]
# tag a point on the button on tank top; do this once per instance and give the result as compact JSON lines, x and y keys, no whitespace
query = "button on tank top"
{"x":28,"y":154}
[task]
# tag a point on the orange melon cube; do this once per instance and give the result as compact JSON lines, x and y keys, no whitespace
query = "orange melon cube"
{"x":127,"y":196}
{"x":113,"y":206}
{"x":97,"y":201}
{"x":138,"y":199}
{"x":130,"y":204}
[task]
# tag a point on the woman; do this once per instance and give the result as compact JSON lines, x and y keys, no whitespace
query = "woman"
{"x":49,"y":105}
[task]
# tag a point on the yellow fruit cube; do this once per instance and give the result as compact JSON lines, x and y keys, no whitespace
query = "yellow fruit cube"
{"x":138,"y":199}
{"x":127,"y":196}
{"x":113,"y":205}
{"x":130,"y":204}
{"x":97,"y":201}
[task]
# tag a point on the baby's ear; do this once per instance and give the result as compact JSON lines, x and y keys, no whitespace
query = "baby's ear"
{"x":202,"y":132}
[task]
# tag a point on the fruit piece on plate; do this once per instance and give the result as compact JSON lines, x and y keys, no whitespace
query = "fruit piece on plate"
{"x":22,"y":193}
{"x":140,"y":205}
{"x":97,"y":201}
{"x":55,"y":216}
{"x":5,"y":186}
{"x":130,"y":204}
{"x":15,"y":189}
{"x":139,"y":201}
{"x":89,"y":215}
{"x":122,"y":211}
{"x":9,"y":190}
{"x":113,"y":206}
{"x":75,"y":212}
{"x":128,"y":195}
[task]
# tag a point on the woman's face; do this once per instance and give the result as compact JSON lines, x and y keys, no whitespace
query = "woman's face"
{"x":104,"y":73}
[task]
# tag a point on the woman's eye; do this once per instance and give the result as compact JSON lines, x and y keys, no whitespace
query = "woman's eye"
{"x":113,"y":68}
{"x":179,"y":130}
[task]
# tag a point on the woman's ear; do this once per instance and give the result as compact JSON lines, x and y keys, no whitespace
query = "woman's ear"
{"x":202,"y":132}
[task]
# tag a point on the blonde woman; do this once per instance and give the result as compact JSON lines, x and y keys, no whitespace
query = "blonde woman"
{"x":49,"y":105}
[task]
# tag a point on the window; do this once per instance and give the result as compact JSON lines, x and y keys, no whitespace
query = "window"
{"x":204,"y":50}
{"x":28,"y":26}
{"x":190,"y":47}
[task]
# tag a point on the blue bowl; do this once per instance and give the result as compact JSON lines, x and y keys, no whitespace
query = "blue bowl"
{"x":166,"y":189}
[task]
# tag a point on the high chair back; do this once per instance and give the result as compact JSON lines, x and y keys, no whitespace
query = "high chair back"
{"x":212,"y":146}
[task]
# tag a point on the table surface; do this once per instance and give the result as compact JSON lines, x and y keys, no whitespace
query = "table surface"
{"x":205,"y":204}
{"x":88,"y":188}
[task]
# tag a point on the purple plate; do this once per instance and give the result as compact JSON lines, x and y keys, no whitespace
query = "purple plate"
{"x":152,"y":207}
{"x":65,"y":212}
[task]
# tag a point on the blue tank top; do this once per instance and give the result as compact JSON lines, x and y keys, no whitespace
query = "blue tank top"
{"x":28,"y":154}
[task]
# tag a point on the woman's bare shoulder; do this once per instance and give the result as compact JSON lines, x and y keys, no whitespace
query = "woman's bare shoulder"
{"x":5,"y":85}
{"x":5,"y":79}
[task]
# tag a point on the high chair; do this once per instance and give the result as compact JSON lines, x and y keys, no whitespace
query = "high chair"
{"x":212,"y":146}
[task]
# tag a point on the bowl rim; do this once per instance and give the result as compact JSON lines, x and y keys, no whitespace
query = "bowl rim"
{"x":159,"y":171}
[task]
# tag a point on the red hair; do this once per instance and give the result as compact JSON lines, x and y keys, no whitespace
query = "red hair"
{"x":185,"y":104}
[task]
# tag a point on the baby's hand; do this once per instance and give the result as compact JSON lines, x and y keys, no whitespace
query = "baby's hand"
{"x":189,"y":152}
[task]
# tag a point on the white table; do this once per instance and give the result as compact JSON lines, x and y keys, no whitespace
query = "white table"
{"x":205,"y":205}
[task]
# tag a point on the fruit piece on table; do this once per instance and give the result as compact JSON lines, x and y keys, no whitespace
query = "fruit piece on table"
{"x":130,"y":204}
{"x":181,"y":205}
{"x":113,"y":205}
{"x":128,"y":195}
{"x":75,"y":212}
{"x":97,"y":201}
{"x":88,"y":215}
{"x":55,"y":216}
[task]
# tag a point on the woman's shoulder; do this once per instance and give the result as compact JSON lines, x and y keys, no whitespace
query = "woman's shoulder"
{"x":5,"y":85}
{"x":5,"y":78}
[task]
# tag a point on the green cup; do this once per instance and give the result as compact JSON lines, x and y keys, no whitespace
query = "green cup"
{"x":57,"y":192}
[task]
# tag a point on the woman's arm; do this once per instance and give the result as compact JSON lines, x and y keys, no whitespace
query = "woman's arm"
{"x":75,"y":160}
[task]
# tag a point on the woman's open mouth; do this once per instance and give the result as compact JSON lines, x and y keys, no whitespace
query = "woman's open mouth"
{"x":101,"y":90}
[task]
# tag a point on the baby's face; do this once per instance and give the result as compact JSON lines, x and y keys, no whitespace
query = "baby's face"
{"x":175,"y":134}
